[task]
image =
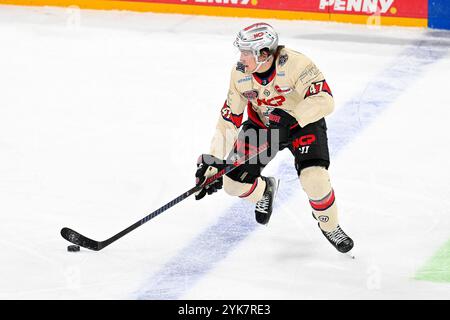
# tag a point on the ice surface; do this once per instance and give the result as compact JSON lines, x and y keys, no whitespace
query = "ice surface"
{"x":102,"y":117}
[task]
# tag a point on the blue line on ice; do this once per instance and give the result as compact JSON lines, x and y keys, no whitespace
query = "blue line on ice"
{"x":206,"y":250}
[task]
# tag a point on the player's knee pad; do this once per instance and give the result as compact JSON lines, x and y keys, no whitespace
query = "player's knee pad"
{"x":316,"y":183}
{"x":249,"y":191}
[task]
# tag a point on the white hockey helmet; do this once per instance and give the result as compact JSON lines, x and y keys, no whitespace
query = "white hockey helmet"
{"x":256,"y":37}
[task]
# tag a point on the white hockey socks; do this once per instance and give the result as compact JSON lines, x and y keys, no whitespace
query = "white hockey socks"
{"x":316,"y":183}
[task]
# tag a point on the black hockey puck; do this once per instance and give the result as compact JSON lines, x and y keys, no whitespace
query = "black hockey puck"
{"x":73,"y":248}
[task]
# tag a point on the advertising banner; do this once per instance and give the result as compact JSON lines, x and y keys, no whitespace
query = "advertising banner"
{"x":383,"y":12}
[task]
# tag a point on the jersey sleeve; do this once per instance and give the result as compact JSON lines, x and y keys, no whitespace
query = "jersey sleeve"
{"x":316,"y":97}
{"x":230,"y":120}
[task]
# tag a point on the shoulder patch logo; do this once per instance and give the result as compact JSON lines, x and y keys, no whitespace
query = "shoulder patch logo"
{"x":282,"y":60}
{"x":240,"y":67}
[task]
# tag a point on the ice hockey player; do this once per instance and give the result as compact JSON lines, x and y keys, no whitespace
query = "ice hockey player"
{"x":287,"y":98}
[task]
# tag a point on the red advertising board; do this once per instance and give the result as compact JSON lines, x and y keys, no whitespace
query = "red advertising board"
{"x":390,"y":8}
{"x":383,"y":12}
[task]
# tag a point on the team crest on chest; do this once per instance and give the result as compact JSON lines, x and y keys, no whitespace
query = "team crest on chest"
{"x":250,"y":95}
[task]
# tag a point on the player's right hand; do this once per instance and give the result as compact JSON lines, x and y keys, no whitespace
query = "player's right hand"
{"x":207,"y":166}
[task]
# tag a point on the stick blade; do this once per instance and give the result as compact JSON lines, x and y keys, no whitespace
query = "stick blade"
{"x":78,"y":239}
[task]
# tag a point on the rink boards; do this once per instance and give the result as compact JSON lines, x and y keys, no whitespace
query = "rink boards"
{"x":416,"y":13}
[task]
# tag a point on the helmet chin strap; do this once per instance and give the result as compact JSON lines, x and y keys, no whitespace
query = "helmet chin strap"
{"x":260,"y":63}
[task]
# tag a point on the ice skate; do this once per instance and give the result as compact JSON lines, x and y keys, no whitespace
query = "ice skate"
{"x":263,"y":209}
{"x":342,"y":242}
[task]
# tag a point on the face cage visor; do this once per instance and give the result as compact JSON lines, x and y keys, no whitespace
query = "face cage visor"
{"x":256,"y":55}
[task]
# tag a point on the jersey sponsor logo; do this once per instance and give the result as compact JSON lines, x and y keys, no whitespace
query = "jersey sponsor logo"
{"x":283,"y":59}
{"x":272,"y":102}
{"x":250,"y":95}
{"x":274,"y":118}
{"x":303,"y":141}
{"x":227,"y":115}
{"x":283,"y":89}
{"x":311,"y":72}
{"x":244,"y":79}
{"x":266,"y":92}
{"x":368,"y":6}
{"x":317,"y":87}
{"x":281,"y":74}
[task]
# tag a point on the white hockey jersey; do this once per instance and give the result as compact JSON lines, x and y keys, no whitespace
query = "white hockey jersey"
{"x":296,"y":86}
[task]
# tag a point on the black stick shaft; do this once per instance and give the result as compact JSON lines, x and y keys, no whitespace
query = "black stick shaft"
{"x":150,"y":216}
{"x":79,"y":239}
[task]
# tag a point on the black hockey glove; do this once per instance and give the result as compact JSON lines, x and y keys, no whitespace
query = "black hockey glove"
{"x":282,"y":121}
{"x":207,"y":166}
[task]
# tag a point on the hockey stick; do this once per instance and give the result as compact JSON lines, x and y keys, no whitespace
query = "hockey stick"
{"x":78,"y":239}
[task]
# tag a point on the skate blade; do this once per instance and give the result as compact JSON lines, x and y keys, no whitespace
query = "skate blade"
{"x":278,"y":187}
{"x":275,"y":195}
{"x":350,"y":255}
